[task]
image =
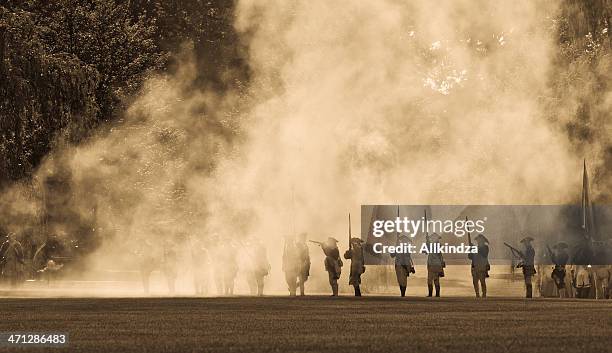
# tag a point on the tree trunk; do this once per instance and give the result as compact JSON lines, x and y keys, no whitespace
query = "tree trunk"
{"x":2,"y":46}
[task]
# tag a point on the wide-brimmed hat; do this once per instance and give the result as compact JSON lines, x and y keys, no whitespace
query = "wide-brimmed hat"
{"x":481,"y":237}
{"x":332,"y":240}
{"x":526,"y":240}
{"x":561,"y":245}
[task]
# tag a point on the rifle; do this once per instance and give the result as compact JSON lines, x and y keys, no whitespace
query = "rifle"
{"x":349,"y":234}
{"x":426,"y":232}
{"x":316,"y":242}
{"x":469,"y":236}
{"x":396,"y":232}
{"x":515,"y":251}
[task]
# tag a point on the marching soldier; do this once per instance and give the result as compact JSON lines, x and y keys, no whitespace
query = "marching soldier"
{"x":304,"y":261}
{"x":435,"y":266}
{"x":291,"y":265}
{"x":480,"y":265}
{"x":403,"y":265}
{"x":355,"y":254}
{"x":528,"y":257}
{"x":260,"y":268}
{"x":560,"y":257}
{"x":12,"y":260}
{"x":333,"y":263}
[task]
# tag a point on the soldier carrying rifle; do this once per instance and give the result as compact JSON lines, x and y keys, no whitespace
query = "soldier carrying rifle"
{"x":403,"y":262}
{"x":480,"y":264}
{"x":527,"y":263}
{"x":355,"y":254}
{"x":333,"y":263}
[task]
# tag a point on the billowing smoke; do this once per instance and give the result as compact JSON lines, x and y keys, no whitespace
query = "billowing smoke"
{"x":350,"y":103}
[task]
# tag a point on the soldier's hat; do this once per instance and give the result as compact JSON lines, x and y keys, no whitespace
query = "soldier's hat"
{"x":434,"y":237}
{"x":357,"y":240}
{"x":526,"y":240}
{"x":332,"y":240}
{"x":561,"y":245}
{"x":482,"y":237}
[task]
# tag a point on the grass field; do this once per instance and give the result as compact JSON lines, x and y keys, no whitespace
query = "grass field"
{"x":315,"y":324}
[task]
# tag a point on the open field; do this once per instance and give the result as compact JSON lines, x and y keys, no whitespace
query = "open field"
{"x":315,"y":324}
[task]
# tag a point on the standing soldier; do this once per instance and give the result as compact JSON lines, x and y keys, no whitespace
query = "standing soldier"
{"x":229,"y":268}
{"x":333,"y":263}
{"x":528,"y":256}
{"x":169,"y":262}
{"x":146,"y":262}
{"x":200,"y":264}
{"x":582,"y":281}
{"x":559,"y":257}
{"x":304,"y":261}
{"x":260,"y":268}
{"x":355,"y":254}
{"x":291,"y":265}
{"x":480,"y":265}
{"x":12,"y":260}
{"x":403,"y":265}
{"x":435,"y":266}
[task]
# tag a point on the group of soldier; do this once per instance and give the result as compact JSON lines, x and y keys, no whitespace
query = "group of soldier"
{"x":222,"y":258}
{"x":296,"y":265}
{"x":217,"y":256}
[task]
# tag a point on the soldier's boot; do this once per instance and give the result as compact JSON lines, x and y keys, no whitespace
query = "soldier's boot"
{"x":484,"y":290}
{"x":357,"y":291}
{"x":528,"y":290}
{"x":430,"y":289}
{"x":403,"y":291}
{"x":437,"y":290}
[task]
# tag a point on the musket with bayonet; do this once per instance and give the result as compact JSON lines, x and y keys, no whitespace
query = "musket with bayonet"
{"x":349,"y":233}
{"x":426,"y":231}
{"x":396,"y":232}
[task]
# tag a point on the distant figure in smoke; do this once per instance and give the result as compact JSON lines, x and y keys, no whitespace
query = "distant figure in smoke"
{"x":560,"y":257}
{"x":12,"y":260}
{"x":146,"y":262}
{"x":169,"y":264}
{"x":528,"y":257}
{"x":259,"y":268}
{"x":333,"y":263}
{"x":291,"y":264}
{"x":303,"y":257}
{"x":435,"y":266}
{"x":480,"y":265}
{"x":403,"y":265}
{"x":216,"y":260}
{"x":229,"y":267}
{"x":355,"y":254}
{"x":201,"y":263}
{"x":601,"y":271}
